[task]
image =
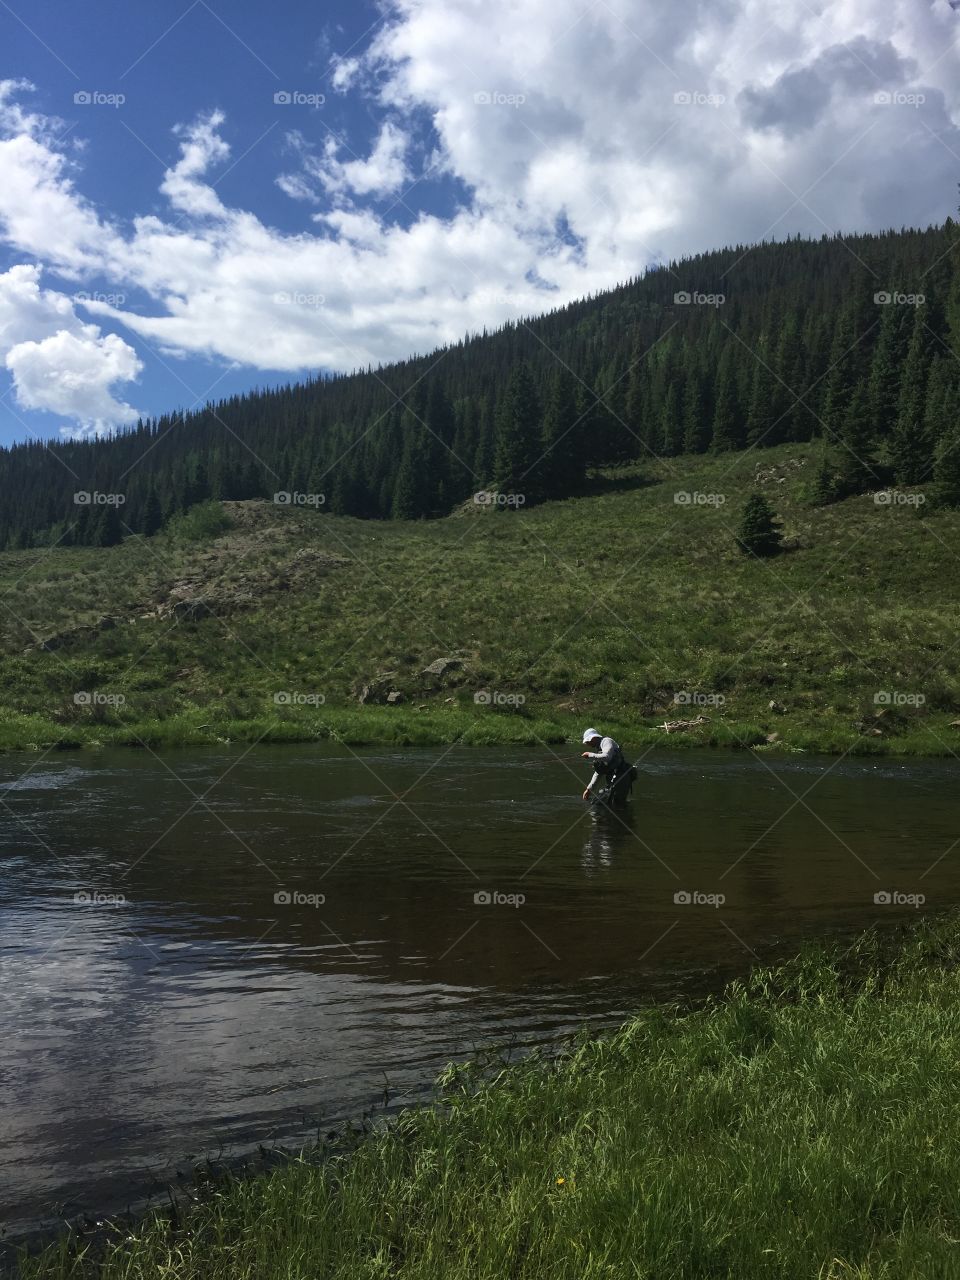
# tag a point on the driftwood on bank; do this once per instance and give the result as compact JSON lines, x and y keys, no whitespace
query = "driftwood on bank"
{"x":678,"y":726}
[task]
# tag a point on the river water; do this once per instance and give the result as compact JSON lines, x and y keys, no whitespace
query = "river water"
{"x":212,"y":949}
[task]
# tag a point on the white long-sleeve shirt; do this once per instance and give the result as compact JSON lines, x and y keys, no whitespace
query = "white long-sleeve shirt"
{"x":609,"y":750}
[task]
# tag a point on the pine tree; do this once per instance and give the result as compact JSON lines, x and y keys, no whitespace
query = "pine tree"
{"x":318,"y":481}
{"x":885,"y":369}
{"x":107,"y":527}
{"x":249,"y":481}
{"x":635,"y":406}
{"x":910,"y":452}
{"x":563,"y":451}
{"x":198,"y":486}
{"x":952,"y":317}
{"x":439,"y":459}
{"x":341,"y":490}
{"x":946,"y":471}
{"x":486,"y":443}
{"x":671,"y":424}
{"x":589,"y":416}
{"x":82,"y":528}
{"x":913,"y":382}
{"x":412,"y":493}
{"x":857,"y":466}
{"x":728,"y":427}
{"x":611,"y":439}
{"x":941,"y":393}
{"x":840,"y":377}
{"x":795,"y":420}
{"x":151,"y":517}
{"x":519,"y":449}
{"x":696,"y":423}
{"x":826,"y":483}
{"x":766,"y":405}
{"x":759,"y":533}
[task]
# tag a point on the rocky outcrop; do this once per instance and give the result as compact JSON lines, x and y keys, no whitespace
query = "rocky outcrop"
{"x":440,"y":666}
{"x":49,"y":644}
{"x":379,"y":690}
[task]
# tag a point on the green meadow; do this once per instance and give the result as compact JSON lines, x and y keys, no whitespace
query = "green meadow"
{"x":629,"y":608}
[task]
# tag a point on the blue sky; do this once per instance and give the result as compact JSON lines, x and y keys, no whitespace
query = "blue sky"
{"x":440,"y":165}
{"x":171,"y":63}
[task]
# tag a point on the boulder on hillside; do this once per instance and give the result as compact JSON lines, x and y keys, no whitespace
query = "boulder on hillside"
{"x":440,"y":666}
{"x":378,"y":690}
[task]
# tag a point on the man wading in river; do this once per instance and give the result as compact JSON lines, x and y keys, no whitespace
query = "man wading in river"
{"x":610,"y":764}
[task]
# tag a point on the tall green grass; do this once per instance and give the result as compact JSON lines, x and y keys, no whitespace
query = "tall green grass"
{"x":802,"y":1125}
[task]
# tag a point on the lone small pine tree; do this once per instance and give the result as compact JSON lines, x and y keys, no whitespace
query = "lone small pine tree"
{"x":759,"y":533}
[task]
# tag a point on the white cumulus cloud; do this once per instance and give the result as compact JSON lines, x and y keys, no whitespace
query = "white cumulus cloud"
{"x":72,"y":374}
{"x":59,"y":363}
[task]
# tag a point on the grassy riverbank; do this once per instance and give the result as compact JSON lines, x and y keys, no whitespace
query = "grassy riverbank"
{"x":627,"y":607}
{"x":801,"y":1125}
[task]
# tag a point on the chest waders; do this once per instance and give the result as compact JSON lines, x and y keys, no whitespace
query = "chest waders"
{"x":618,"y":777}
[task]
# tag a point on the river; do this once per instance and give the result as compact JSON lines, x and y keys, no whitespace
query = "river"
{"x":212,"y":949}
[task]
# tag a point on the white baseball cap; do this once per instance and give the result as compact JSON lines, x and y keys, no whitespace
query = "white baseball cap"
{"x":589,"y":735}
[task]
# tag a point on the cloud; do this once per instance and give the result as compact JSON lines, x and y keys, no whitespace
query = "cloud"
{"x":71,"y":374}
{"x":799,"y":98}
{"x":59,"y":363}
{"x":381,"y":174}
{"x":345,"y":73}
{"x":27,"y":311}
{"x":201,"y":147}
{"x":575,"y":145}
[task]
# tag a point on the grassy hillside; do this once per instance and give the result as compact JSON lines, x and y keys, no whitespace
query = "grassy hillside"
{"x":654,"y":1152}
{"x":626,"y":608}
